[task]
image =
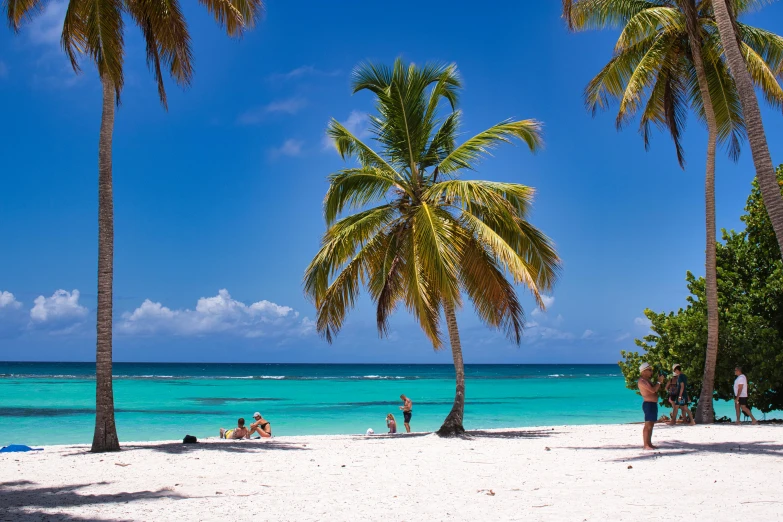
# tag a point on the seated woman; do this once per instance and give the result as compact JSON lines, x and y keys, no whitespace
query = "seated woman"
{"x":391,"y":423}
{"x":260,"y":426}
{"x":240,"y":432}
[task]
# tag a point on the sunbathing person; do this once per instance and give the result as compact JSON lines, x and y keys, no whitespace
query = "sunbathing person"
{"x":260,"y":426}
{"x":240,"y":432}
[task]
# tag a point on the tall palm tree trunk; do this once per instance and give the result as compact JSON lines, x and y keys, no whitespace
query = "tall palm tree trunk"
{"x":765,"y":172}
{"x":452,"y":426}
{"x":704,"y":412}
{"x":105,"y":437}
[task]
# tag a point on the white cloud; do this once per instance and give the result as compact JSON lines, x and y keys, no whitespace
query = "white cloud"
{"x":47,"y":27}
{"x":642,"y":321}
{"x":286,"y":106}
{"x":548,"y":300}
{"x":588,"y":334}
{"x":288,"y":148}
{"x":60,"y":313}
{"x":357,"y":123}
{"x":12,"y":316}
{"x":212,"y":315}
{"x":8,"y":301}
{"x":301,"y":72}
{"x":622,"y":337}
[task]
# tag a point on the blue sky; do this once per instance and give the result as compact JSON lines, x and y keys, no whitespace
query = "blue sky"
{"x":218,"y":200}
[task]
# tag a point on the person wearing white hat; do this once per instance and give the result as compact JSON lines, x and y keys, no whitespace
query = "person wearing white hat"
{"x":649,"y":392}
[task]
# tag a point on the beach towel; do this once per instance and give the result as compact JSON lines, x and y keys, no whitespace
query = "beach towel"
{"x":13,"y":448}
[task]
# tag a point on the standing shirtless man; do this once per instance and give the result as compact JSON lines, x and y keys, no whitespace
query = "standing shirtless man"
{"x":407,"y":411}
{"x":649,"y":393}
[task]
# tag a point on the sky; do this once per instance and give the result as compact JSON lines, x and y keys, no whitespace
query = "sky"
{"x":218,"y":201}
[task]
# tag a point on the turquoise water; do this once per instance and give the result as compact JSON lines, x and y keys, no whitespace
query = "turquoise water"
{"x":53,"y":403}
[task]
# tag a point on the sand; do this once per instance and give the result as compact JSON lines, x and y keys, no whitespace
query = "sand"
{"x":719,"y":472}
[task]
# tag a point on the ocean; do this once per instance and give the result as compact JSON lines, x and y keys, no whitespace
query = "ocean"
{"x":53,"y":403}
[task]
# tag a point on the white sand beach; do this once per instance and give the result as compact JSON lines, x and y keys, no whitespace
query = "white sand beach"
{"x":599,"y":472}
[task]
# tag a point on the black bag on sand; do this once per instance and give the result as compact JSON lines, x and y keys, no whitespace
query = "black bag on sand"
{"x":189,"y":439}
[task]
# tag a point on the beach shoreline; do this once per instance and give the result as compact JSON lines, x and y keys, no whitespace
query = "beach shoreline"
{"x":586,"y":472}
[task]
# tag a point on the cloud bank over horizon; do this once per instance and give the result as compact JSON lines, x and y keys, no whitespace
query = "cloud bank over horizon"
{"x":61,"y":313}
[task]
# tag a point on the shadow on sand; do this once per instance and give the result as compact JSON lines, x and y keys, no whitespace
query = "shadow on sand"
{"x":178,"y":448}
{"x":469,"y":435}
{"x":510,"y":434}
{"x":24,"y":501}
{"x":678,"y":448}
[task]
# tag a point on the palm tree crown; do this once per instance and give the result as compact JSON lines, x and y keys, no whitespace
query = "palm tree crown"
{"x":652,"y":73}
{"x":96,"y":28}
{"x":431,"y":236}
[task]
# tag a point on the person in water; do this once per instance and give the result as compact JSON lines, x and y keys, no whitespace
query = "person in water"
{"x":391,"y":423}
{"x":261,"y":426}
{"x":407,"y":412}
{"x":240,"y":432}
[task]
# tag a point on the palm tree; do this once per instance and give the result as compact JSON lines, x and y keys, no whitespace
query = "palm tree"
{"x":669,"y":52}
{"x":743,"y":59}
{"x":432,"y":236}
{"x":735,"y":43}
{"x":95,"y":28}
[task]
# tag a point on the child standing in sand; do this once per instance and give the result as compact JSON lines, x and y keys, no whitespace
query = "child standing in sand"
{"x":391,"y":423}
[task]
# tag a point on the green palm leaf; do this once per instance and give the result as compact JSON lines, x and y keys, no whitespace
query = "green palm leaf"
{"x":465,"y":156}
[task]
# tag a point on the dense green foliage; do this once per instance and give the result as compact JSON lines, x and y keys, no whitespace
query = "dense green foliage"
{"x":750,"y":283}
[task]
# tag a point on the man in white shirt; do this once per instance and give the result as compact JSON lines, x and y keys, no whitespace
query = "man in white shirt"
{"x":741,"y":395}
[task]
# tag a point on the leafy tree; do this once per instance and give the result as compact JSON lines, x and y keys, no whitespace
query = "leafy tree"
{"x":669,"y":59}
{"x":94,"y":30}
{"x":432,"y":237}
{"x":750,"y":279}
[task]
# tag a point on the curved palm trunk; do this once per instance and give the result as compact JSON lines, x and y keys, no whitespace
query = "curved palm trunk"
{"x":704,"y":412}
{"x":105,"y":437}
{"x":765,"y":172}
{"x":452,"y":426}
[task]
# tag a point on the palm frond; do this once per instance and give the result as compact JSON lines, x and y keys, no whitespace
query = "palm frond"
{"x":421,"y":294}
{"x":95,"y":28}
{"x":386,"y":284}
{"x":342,"y":241}
{"x":667,"y":106}
{"x":493,"y":297}
{"x":470,"y":194}
{"x":466,"y":155}
{"x":234,"y":15}
{"x":609,"y":84}
{"x":349,"y":146}
{"x":644,"y":75}
{"x":767,"y":45}
{"x":601,"y":14}
{"x":442,"y":143}
{"x":333,"y":301}
{"x":648,"y":23}
{"x":167,"y":39}
{"x":436,"y":245}
{"x":764,"y":77}
{"x":19,"y":11}
{"x":355,"y":188}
